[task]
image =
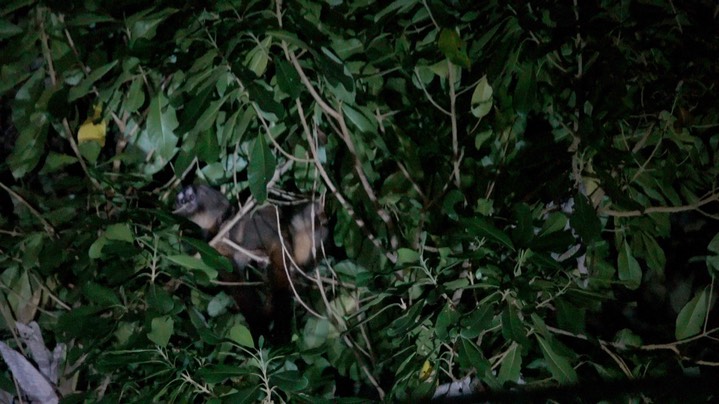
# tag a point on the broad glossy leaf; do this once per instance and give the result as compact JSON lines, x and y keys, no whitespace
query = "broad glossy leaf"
{"x":584,"y":220}
{"x":714,"y":244}
{"x":160,"y":300}
{"x":88,"y":19}
{"x":241,"y":335}
{"x":261,"y":169}
{"x":511,"y":364}
{"x":629,"y":270}
{"x":193,"y":263}
{"x":653,"y":254}
{"x":525,"y":92}
{"x":479,"y":320}
{"x":452,"y":47}
{"x":481,"y":99}
{"x":161,"y":330}
{"x":8,"y":29}
{"x":359,"y":119}
{"x":258,"y":57}
{"x":446,"y":318}
{"x":221,"y":372}
{"x":470,"y":357}
{"x":100,"y":295}
{"x":407,"y":256}
{"x":209,"y":115}
{"x":480,"y":227}
{"x":85,"y":85}
{"x":29,"y":146}
{"x":119,"y":232}
{"x":513,"y":327}
{"x":287,"y":78}
{"x":246,"y":395}
{"x":265,"y":101}
{"x":562,"y":371}
{"x":159,"y":138}
{"x":692,"y":316}
{"x":290,"y":380}
{"x":524,"y":229}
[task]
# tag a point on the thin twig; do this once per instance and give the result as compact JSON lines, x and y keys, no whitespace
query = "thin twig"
{"x":392,"y":257}
{"x":660,"y":209}
{"x":48,"y":227}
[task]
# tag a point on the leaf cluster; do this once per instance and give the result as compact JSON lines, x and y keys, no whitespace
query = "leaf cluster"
{"x":522,"y":195}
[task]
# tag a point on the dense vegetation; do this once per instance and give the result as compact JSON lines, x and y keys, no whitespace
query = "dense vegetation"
{"x":521,"y":194}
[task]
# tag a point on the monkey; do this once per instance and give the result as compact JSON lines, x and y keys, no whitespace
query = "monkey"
{"x":257,"y":237}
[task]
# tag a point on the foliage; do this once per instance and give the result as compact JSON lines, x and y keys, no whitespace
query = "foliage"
{"x":517,"y":191}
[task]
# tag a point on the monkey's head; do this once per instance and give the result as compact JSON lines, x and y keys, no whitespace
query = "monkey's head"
{"x":203,"y":205}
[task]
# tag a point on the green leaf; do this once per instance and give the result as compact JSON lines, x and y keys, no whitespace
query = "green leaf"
{"x":29,"y":146}
{"x":209,"y":115}
{"x":558,"y":365}
{"x":480,"y":227}
{"x":90,"y":151}
{"x":629,"y":270}
{"x":95,"y":250}
{"x":512,"y":326}
{"x":246,"y":395}
{"x":407,"y":256}
{"x":453,"y":47}
{"x":477,"y":321}
{"x":101,"y":295}
{"x":511,"y":365}
{"x":470,"y":357}
{"x":158,"y":139}
{"x":261,"y":169}
{"x":525,"y":93}
{"x":159,"y":300}
{"x":714,"y":244}
{"x":555,"y":222}
{"x":287,"y":78}
{"x":258,"y":58}
{"x":359,"y":119}
{"x":220,"y":372}
{"x":481,"y":98}
{"x":56,"y":161}
{"x":85,"y":86}
{"x":241,"y":335}
{"x":291,"y":380}
{"x":8,"y":29}
{"x":482,"y":137}
{"x":584,"y":220}
{"x":692,"y":316}
{"x":452,"y":198}
{"x":119,"y":232}
{"x":188,"y":262}
{"x":654,"y":254}
{"x":273,"y":110}
{"x":446,"y":318}
{"x":570,"y":316}
{"x":523,"y":232}
{"x":162,"y":329}
{"x":289,"y":37}
{"x":87,"y":19}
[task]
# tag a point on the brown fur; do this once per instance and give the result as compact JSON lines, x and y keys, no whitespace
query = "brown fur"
{"x":258,"y":234}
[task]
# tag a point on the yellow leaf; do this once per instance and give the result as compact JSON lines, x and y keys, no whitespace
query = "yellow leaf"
{"x":92,"y":132}
{"x":426,"y":371}
{"x":93,"y":129}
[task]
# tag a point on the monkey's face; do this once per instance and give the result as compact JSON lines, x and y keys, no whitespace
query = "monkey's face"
{"x":186,"y":203}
